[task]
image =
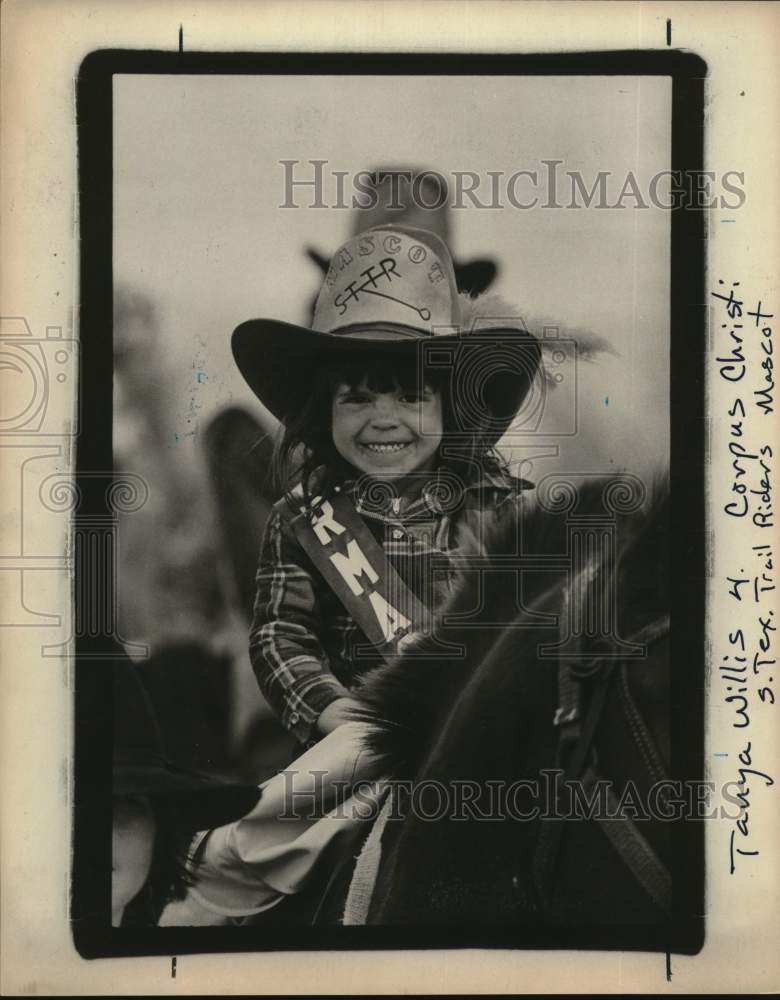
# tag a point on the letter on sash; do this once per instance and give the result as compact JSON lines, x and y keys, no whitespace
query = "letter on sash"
{"x":326,"y":522}
{"x":389,"y":619}
{"x":353,"y":565}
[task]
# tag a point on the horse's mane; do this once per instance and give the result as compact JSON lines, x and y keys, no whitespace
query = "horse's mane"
{"x":408,"y":699}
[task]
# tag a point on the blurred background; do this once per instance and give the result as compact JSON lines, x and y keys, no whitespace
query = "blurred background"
{"x":201,"y":244}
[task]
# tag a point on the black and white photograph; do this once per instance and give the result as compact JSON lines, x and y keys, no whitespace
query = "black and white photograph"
{"x":413,"y":497}
{"x":392,"y":374}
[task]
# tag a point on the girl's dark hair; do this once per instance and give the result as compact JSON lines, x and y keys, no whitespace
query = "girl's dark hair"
{"x":305,"y":442}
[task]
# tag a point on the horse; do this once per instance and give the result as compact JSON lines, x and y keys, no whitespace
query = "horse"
{"x":545,"y":705}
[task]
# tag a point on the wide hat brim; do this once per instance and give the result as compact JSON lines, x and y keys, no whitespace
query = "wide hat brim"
{"x":198,"y":801}
{"x":279,"y":361}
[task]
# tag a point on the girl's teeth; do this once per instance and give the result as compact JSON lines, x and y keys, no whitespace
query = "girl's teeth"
{"x":385,"y":447}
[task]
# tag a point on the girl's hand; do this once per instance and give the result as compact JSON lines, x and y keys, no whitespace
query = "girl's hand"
{"x":335,"y":714}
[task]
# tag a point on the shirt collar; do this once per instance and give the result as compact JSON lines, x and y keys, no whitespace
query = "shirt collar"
{"x":494,"y":485}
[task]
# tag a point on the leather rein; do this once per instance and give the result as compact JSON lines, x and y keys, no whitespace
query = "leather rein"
{"x":576,"y":755}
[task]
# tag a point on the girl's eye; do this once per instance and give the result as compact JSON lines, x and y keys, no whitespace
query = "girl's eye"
{"x":414,"y":397}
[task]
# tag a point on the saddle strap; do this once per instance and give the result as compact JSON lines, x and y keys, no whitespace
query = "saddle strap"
{"x":577,"y":741}
{"x":625,"y":837}
{"x":640,"y":858}
{"x":574,"y":746}
{"x":361,"y":888}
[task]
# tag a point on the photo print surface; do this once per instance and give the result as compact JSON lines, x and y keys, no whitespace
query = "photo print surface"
{"x":444,"y":638}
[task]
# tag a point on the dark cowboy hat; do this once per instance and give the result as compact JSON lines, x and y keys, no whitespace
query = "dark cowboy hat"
{"x":141,"y":768}
{"x":417,"y":198}
{"x":392,"y":289}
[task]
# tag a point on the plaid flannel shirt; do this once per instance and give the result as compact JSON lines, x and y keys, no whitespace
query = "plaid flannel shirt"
{"x":304,"y":646}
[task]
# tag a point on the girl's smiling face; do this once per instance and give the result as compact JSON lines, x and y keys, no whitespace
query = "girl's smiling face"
{"x":387,"y":433}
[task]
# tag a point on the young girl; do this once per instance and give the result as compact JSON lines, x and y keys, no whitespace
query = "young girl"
{"x":391,"y":412}
{"x":387,"y":402}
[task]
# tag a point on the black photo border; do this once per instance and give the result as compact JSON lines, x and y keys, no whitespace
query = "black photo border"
{"x":90,"y":900}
